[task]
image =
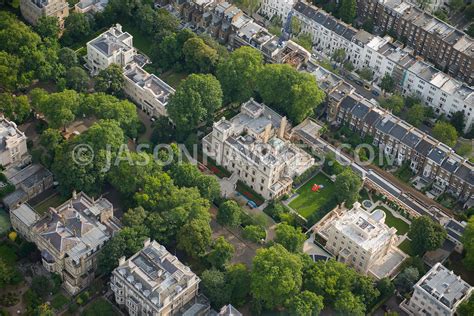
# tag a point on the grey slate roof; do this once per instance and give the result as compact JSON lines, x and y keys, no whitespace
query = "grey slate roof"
{"x":360,"y":110}
{"x":398,"y":132}
{"x":411,"y":140}
{"x":437,"y":155}
{"x":371,"y":118}
{"x":423,"y":147}
{"x":450,"y":165}
{"x":385,"y":124}
{"x":465,"y":173}
{"x":348,"y":103}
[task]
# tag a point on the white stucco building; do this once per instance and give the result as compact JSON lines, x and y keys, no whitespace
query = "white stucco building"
{"x":153,"y":282}
{"x":254,"y":146}
{"x":13,"y":150}
{"x":280,"y":8}
{"x":147,"y":90}
{"x":111,"y":47}
{"x":438,"y":292}
{"x":362,"y":240}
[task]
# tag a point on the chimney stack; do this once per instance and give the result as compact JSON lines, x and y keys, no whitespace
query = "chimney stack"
{"x":266,"y":133}
{"x":281,"y":132}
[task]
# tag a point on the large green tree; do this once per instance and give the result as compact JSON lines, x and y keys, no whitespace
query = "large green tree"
{"x":347,"y":10}
{"x":198,"y":56}
{"x":195,"y":237}
{"x":388,"y":83}
{"x":188,"y":175}
{"x":445,"y":132}
{"x":221,"y":253}
{"x":110,"y":80}
{"x":67,"y":57}
{"x":82,"y":164}
{"x":126,"y":243}
{"x":59,"y":108}
{"x":169,"y":51}
{"x":290,"y":92}
{"x":458,"y":120}
{"x":305,"y":303}
{"x":406,"y":279}
{"x":393,"y":103}
{"x":468,"y":242}
{"x":276,"y":276}
{"x":48,"y":26}
{"x":16,"y":108}
{"x":238,"y":74}
{"x":347,"y":187}
{"x":426,"y":235}
{"x":238,"y":279}
{"x":416,"y":114}
{"x":77,"y":79}
{"x":77,"y":26}
{"x":195,"y":101}
{"x":229,"y":213}
{"x":215,"y":287}
{"x":290,"y":237}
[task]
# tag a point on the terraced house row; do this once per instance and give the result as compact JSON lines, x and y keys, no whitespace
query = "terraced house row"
{"x":412,"y":75}
{"x":230,"y":26}
{"x":448,"y":48}
{"x":436,"y":163}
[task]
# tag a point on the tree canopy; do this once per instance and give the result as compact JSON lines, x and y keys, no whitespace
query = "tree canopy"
{"x":195,"y":101}
{"x":238,"y":74}
{"x":445,"y":132}
{"x":110,"y":80}
{"x":468,"y":242}
{"x":290,"y":237}
{"x":290,"y":92}
{"x":347,"y":187}
{"x":276,"y":276}
{"x":426,"y":235}
{"x":221,"y":253}
{"x":229,"y":213}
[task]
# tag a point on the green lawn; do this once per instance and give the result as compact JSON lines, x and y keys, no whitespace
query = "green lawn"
{"x":52,"y":201}
{"x":308,"y":202}
{"x":59,"y":300}
{"x":405,"y":246}
{"x":100,"y":307}
{"x":401,"y":226}
{"x":173,"y":78}
{"x":4,"y":222}
{"x":404,"y":173}
{"x":8,"y":254}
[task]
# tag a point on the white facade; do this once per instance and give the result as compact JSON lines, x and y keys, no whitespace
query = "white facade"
{"x":147,"y":90}
{"x":13,"y":150}
{"x":253,"y":146}
{"x":439,"y":292}
{"x":438,"y":90}
{"x":111,"y":47}
{"x":281,"y":8}
{"x":362,"y":240}
{"x":153,"y":282}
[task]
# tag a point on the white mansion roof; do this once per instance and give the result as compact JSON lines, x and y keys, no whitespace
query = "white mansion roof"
{"x":368,"y":230}
{"x":444,"y":286}
{"x":111,"y":41}
{"x":156,"y":274}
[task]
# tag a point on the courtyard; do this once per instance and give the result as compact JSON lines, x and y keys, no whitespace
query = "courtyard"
{"x":400,"y":225}
{"x":307,"y":202}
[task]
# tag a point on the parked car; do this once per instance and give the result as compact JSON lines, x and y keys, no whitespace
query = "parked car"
{"x":375,"y":93}
{"x":359,"y":82}
{"x":367,"y":86}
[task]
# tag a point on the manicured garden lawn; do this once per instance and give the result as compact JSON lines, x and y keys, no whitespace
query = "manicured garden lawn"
{"x":308,"y":202}
{"x":173,"y":78}
{"x":4,"y":222}
{"x":100,"y":307}
{"x":405,"y":246}
{"x":52,"y":201}
{"x":401,"y":226}
{"x":59,"y":300}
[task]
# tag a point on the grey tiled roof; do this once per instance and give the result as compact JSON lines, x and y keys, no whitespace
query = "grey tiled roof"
{"x":437,"y":155}
{"x":411,"y":140}
{"x":466,"y":173}
{"x":360,"y":110}
{"x":371,"y":118}
{"x":424,"y":147}
{"x":348,"y":103}
{"x":398,"y":132}
{"x":385,"y":124}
